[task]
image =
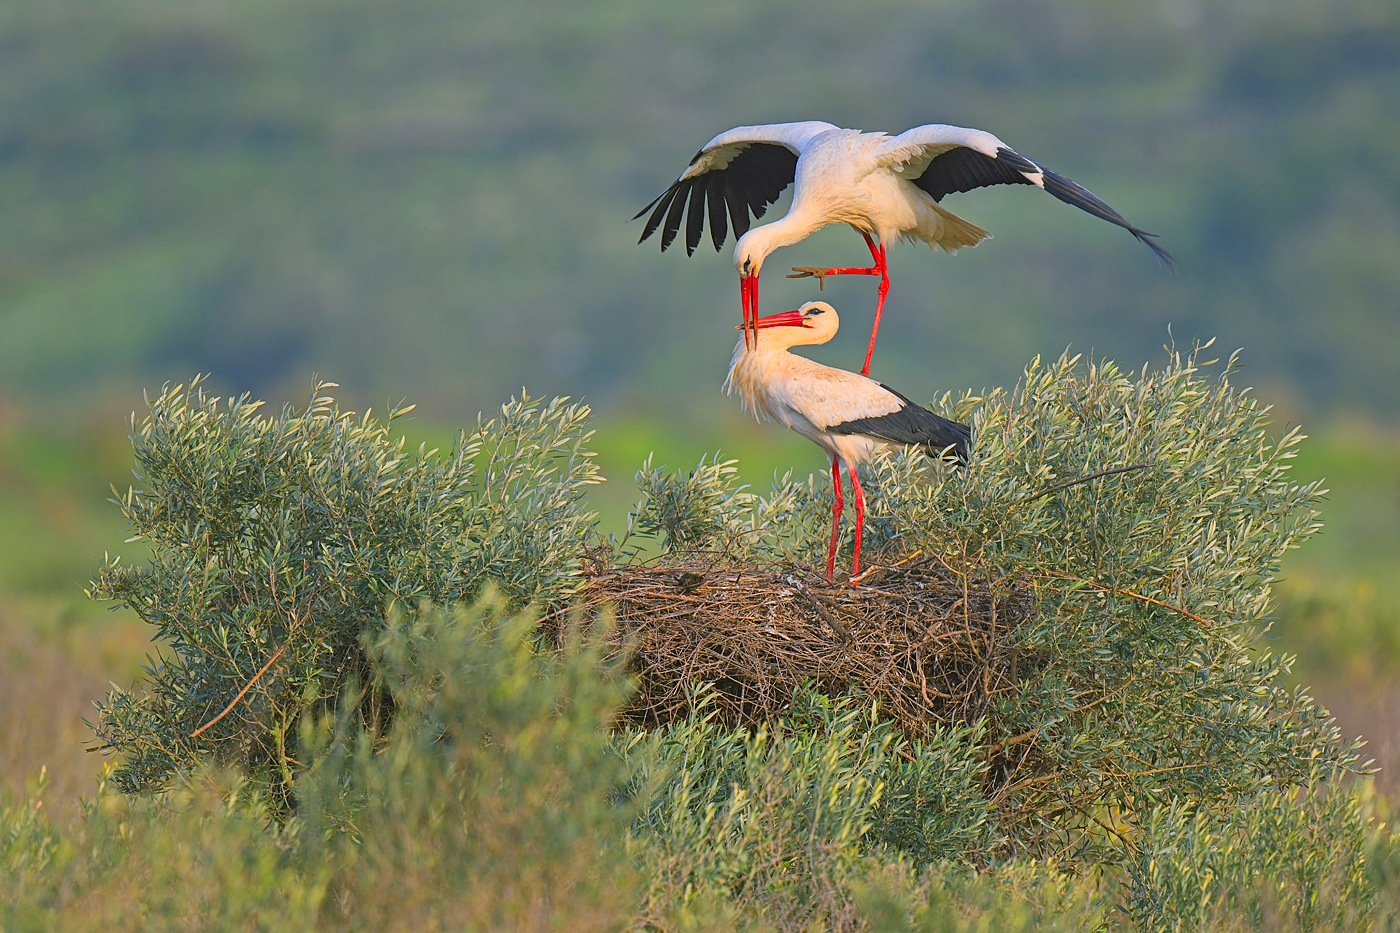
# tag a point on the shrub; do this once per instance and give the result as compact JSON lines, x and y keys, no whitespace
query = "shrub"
{"x":501,"y":799}
{"x":778,"y":823}
{"x":1140,"y":519}
{"x":1281,"y":860}
{"x":275,"y":540}
{"x":1015,"y":897}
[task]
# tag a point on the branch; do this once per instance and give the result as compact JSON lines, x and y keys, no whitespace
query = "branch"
{"x":1082,"y":479}
{"x":246,"y":688}
{"x":296,"y":622}
{"x":1147,"y":599}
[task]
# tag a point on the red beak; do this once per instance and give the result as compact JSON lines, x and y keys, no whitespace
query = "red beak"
{"x":785,"y":319}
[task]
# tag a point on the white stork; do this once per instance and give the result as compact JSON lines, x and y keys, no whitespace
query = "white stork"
{"x":847,"y":416}
{"x":886,"y":187}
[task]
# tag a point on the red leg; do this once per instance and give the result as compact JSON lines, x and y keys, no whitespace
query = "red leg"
{"x":753,"y":307}
{"x":880,"y":268}
{"x":835,"y":518}
{"x":744,"y":303}
{"x":860,"y":519}
{"x":877,"y":253}
{"x":880,"y":305}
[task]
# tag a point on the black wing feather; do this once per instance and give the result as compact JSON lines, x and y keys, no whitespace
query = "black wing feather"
{"x":695,"y":215}
{"x":719,"y":228}
{"x":1084,"y":199}
{"x":662,"y":204}
{"x":914,"y":426}
{"x":738,"y":213}
{"x":673,"y":216}
{"x":963,"y":169}
{"x":752,"y":180}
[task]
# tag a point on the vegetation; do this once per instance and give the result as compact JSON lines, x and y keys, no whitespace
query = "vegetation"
{"x":500,"y":800}
{"x":443,"y":768}
{"x":283,"y":538}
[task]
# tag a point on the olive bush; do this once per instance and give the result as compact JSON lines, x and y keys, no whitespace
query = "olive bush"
{"x":275,"y":540}
{"x":1147,"y":768}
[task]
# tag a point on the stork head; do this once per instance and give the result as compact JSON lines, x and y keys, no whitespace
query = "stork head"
{"x":750,"y":252}
{"x":755,"y":245}
{"x":815,"y":322}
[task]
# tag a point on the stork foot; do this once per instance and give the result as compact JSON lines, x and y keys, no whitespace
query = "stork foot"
{"x":806,"y":272}
{"x":821,"y":272}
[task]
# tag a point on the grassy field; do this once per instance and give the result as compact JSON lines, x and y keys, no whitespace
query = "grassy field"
{"x":1340,"y":609}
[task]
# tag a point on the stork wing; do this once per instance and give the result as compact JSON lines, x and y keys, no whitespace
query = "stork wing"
{"x":827,"y":396}
{"x":912,"y":425}
{"x":942,"y":159}
{"x":742,"y":170}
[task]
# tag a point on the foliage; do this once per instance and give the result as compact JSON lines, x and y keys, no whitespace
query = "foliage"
{"x":486,"y":806}
{"x":777,"y":822}
{"x":1283,"y":859}
{"x":1146,"y":727}
{"x":702,"y":511}
{"x":278,"y":539}
{"x":1015,"y":897}
{"x":500,"y":799}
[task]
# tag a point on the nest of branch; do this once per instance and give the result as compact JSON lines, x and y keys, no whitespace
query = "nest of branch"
{"x":932,"y":644}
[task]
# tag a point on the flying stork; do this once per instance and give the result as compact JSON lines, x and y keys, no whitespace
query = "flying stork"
{"x":848,"y":416}
{"x":886,"y":187}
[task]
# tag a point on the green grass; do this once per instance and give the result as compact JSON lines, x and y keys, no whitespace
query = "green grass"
{"x":1341,"y":592}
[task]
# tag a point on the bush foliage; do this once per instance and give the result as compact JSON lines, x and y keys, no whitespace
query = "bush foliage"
{"x":286,"y":536}
{"x":1164,"y":776}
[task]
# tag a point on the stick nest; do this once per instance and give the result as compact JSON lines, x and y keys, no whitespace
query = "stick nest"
{"x":932,"y":644}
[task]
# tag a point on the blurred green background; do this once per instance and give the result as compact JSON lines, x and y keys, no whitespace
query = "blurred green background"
{"x":427,"y":199}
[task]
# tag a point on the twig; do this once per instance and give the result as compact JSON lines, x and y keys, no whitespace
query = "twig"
{"x":1082,"y":479}
{"x":1132,"y":847}
{"x":1003,"y":745}
{"x":234,"y":702}
{"x":827,"y":616}
{"x":270,"y":661}
{"x":859,"y":578}
{"x":1147,"y":599}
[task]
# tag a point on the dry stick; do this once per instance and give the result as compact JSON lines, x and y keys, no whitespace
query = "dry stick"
{"x":860,"y":578}
{"x":826,"y":614}
{"x":1002,"y":746}
{"x":234,"y":702}
{"x":249,"y":685}
{"x":1147,"y":599}
{"x":1082,"y":479}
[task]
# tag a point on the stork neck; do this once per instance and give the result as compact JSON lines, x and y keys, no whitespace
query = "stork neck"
{"x":753,"y":247}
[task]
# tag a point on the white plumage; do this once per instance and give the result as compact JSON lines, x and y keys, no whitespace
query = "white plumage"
{"x":887,"y":188}
{"x":847,"y":415}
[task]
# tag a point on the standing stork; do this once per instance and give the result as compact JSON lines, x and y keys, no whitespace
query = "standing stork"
{"x":886,"y":187}
{"x":847,"y":416}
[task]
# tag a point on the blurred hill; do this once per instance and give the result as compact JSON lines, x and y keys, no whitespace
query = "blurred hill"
{"x":426,"y":198}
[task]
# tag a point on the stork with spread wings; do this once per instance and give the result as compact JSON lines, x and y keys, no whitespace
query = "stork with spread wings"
{"x":886,"y":187}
